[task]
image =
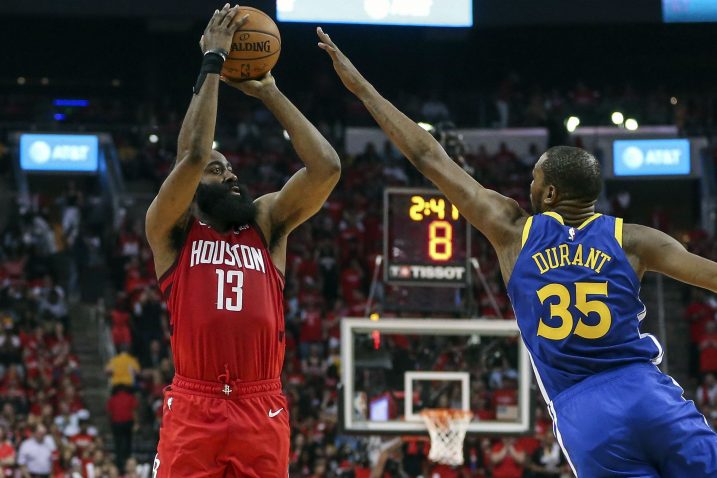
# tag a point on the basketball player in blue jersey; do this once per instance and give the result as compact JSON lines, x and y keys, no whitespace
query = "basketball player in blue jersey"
{"x":573,"y":277}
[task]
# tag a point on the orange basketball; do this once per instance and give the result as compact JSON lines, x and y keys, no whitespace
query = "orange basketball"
{"x":255,"y":47}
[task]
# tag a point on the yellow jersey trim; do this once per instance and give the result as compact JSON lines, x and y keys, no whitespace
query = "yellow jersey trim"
{"x":589,"y":220}
{"x":618,"y":230}
{"x":555,"y":216}
{"x":526,"y":231}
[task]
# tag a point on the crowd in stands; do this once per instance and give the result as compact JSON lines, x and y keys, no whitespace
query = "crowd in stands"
{"x":53,"y":248}
{"x":45,"y":426}
{"x":515,"y":101}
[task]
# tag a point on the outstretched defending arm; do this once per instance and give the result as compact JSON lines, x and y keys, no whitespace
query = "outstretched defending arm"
{"x":307,"y":190}
{"x":490,"y":212}
{"x":195,"y":141}
{"x":659,"y":252}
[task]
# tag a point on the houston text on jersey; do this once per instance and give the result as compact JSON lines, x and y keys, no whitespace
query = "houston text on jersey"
{"x":222,"y":252}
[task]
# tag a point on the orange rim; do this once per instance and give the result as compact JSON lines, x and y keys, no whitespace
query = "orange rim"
{"x":444,"y":413}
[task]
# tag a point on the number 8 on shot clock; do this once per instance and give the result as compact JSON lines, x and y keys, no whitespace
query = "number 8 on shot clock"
{"x":426,"y":240}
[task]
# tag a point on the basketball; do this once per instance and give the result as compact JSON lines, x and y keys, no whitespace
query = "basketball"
{"x":255,"y":47}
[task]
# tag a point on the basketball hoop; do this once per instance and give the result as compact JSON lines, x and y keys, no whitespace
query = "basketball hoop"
{"x":447,"y":428}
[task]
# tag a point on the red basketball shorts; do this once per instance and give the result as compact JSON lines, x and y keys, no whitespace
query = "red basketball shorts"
{"x":211,"y":430}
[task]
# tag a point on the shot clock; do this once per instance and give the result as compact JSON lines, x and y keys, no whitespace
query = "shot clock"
{"x":426,"y":240}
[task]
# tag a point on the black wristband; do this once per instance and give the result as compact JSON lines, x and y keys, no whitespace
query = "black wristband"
{"x":212,"y":63}
{"x":218,"y":51}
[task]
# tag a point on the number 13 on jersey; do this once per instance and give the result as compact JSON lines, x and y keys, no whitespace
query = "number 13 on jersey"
{"x":234,"y":279}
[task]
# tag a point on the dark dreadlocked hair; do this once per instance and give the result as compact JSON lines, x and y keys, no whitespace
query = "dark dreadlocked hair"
{"x":574,"y":172}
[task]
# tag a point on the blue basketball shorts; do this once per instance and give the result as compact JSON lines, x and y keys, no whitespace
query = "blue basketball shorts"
{"x":633,"y":421}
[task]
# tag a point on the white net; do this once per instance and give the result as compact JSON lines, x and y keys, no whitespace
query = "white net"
{"x":448,"y":430}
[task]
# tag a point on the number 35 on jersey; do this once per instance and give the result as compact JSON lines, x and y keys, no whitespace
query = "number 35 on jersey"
{"x":581,"y":296}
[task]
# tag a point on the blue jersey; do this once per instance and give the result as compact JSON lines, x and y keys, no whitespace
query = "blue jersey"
{"x":577,"y":301}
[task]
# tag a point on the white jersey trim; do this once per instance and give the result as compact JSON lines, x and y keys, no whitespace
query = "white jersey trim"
{"x":554,"y":414}
{"x":660,"y":351}
{"x":551,"y":410}
{"x":543,"y":392}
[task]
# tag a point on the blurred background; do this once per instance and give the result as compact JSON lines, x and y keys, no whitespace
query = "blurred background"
{"x":79,"y":303}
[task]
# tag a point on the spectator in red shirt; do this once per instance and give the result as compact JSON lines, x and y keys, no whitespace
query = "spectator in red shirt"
{"x":351,"y":279}
{"x":482,"y":409}
{"x":83,"y":439}
{"x":120,"y":318}
{"x":507,"y":458}
{"x":122,"y":407}
{"x":308,"y":268}
{"x":708,"y":349}
{"x":332,"y":321}
{"x":697,"y":313}
{"x":311,"y":324}
{"x":7,"y":454}
{"x":706,"y":395}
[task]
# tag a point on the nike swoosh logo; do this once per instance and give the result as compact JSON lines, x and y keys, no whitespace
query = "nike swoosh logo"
{"x":272,"y":413}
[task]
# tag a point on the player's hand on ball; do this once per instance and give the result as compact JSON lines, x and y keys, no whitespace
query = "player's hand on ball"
{"x":221,"y":28}
{"x":255,"y":88}
{"x":350,"y":76}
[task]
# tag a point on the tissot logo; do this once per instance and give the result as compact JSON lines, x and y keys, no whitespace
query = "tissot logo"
{"x":416,"y":272}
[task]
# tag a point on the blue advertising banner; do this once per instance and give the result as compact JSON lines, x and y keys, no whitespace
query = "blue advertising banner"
{"x":59,"y":152}
{"x":437,"y":13}
{"x":651,"y":157}
{"x":689,"y":11}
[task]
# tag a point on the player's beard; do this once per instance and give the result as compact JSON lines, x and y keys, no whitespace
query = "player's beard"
{"x":535,"y":205}
{"x":218,"y":202}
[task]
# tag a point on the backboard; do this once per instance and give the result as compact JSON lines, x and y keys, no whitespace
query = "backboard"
{"x":394,"y":368}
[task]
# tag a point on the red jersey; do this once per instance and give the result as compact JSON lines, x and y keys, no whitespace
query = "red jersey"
{"x":225,"y":300}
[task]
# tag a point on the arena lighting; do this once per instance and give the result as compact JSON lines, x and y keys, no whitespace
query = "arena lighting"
{"x":436,"y":13}
{"x":79,"y":103}
{"x":375,"y":334}
{"x":427,"y":126}
{"x":673,"y":100}
{"x":618,"y":118}
{"x":572,"y":123}
{"x":45,"y":81}
{"x":153,"y":138}
{"x":215,"y":145}
{"x":21,"y":80}
{"x":631,"y":124}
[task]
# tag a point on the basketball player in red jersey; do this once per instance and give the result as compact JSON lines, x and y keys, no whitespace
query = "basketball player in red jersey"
{"x":220,"y":258}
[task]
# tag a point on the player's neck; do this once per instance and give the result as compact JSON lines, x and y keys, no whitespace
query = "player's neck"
{"x":574,"y":213}
{"x":219,"y":226}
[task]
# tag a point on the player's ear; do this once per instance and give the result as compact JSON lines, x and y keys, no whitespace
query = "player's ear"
{"x":550,"y":195}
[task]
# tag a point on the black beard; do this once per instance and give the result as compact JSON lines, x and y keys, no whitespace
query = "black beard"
{"x":217,"y":202}
{"x":536,"y":208}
